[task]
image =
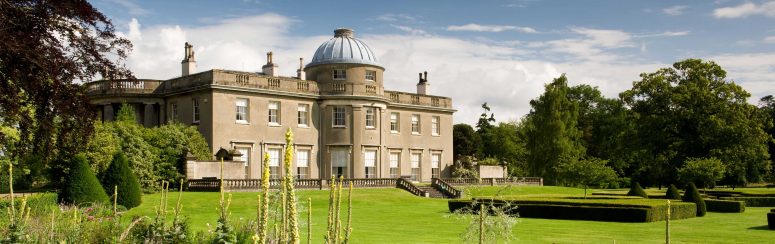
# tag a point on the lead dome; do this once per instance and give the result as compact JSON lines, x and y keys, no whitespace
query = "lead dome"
{"x":344,"y":48}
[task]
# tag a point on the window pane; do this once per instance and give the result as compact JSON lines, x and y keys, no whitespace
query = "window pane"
{"x":302,"y":158}
{"x":339,"y":157}
{"x":394,"y":159}
{"x":415,"y":160}
{"x":274,"y":157}
{"x":435,"y":158}
{"x":370,"y":158}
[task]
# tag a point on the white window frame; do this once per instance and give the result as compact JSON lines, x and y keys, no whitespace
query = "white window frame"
{"x":435,"y":125}
{"x":245,"y":112}
{"x":273,"y":112}
{"x":416,"y":129}
{"x":371,"y":75}
{"x":395,"y":125}
{"x":395,"y":164}
{"x":339,"y":122}
{"x":245,"y":151}
{"x":371,"y":117}
{"x":435,"y":165}
{"x":370,"y":163}
{"x":416,"y":165}
{"x":345,"y":154}
{"x":302,"y":163}
{"x":195,"y":109}
{"x":303,"y":115}
{"x":339,"y":74}
{"x":274,"y":162}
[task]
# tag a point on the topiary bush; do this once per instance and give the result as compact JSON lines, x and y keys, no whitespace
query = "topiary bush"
{"x":724,"y":206}
{"x":81,"y":186}
{"x":692,"y":195}
{"x":771,"y":219}
{"x":119,"y":174}
{"x":636,"y":190}
{"x":672,"y":193}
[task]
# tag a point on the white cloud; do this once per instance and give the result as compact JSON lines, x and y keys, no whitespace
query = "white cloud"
{"x":753,"y":71}
{"x":410,"y":30}
{"x":490,"y":28}
{"x":769,"y":39}
{"x":675,"y":10}
{"x":396,"y":18}
{"x":470,"y":71}
{"x":666,"y":33}
{"x":133,"y":8}
{"x":745,"y":10}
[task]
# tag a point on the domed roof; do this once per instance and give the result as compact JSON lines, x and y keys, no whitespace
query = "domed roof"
{"x":344,"y":49}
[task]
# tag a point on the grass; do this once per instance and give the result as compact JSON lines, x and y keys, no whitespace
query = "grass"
{"x":395,"y":216}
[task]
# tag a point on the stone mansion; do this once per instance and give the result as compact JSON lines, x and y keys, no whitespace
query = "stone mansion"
{"x":344,"y":122}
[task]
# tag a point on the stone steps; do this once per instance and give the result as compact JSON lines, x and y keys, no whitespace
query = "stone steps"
{"x":433,"y":192}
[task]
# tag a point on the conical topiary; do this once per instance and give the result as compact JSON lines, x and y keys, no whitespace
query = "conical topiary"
{"x":692,"y":195}
{"x":81,"y":186}
{"x":119,"y":174}
{"x":636,"y":190}
{"x":672,"y":193}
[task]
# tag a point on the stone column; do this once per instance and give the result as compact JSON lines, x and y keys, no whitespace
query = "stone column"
{"x":107,"y":112}
{"x":148,"y":116}
{"x":356,"y":130}
{"x":162,"y":113}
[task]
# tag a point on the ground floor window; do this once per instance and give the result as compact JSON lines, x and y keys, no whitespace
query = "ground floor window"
{"x":435,"y":159}
{"x":245,"y":157}
{"x":415,"y":176}
{"x":274,"y":163}
{"x":302,"y":164}
{"x":370,"y":162}
{"x":339,"y":161}
{"x":394,"y":162}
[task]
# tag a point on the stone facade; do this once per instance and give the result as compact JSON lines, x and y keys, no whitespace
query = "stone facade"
{"x":344,"y":122}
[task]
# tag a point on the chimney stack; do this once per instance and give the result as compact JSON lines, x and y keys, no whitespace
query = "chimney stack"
{"x":423,"y":87}
{"x":188,"y":63}
{"x":300,"y":72}
{"x":270,"y":68}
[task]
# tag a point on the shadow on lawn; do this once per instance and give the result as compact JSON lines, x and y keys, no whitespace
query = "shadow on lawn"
{"x":763,"y":227}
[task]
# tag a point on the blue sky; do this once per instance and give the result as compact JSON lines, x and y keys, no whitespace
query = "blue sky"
{"x":500,"y":52}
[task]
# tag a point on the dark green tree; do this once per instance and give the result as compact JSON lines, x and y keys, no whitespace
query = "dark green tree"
{"x":81,"y":186}
{"x":47,"y":49}
{"x":636,"y":190}
{"x":465,"y":140}
{"x":120,"y":175}
{"x":693,"y":195}
{"x":767,"y":107}
{"x":692,"y":110}
{"x":551,"y":132}
{"x":705,"y":171}
{"x":672,"y":193}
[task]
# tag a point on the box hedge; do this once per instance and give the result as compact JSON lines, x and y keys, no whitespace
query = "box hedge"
{"x":724,"y":206}
{"x":584,"y":210}
{"x":81,"y":186}
{"x":771,"y":219}
{"x":754,"y":201}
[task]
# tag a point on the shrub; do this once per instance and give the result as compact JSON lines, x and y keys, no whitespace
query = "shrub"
{"x":586,"y":210}
{"x":119,"y":174}
{"x":636,"y":190}
{"x":754,"y":201}
{"x":692,"y":195}
{"x":672,"y":193}
{"x":771,"y":220}
{"x":81,"y":186}
{"x":724,"y":206}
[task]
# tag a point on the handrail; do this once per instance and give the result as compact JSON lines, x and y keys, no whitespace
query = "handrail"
{"x":255,"y":184}
{"x":402,"y":183}
{"x":536,"y":181}
{"x":446,"y":188}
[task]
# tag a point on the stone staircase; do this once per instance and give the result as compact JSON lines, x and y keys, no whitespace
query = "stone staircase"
{"x":433,"y":192}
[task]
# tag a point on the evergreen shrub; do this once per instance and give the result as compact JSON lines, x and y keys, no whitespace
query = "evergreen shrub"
{"x":81,"y":186}
{"x":692,"y":195}
{"x":636,"y":190}
{"x":672,"y":193}
{"x":724,"y":206}
{"x":119,"y":174}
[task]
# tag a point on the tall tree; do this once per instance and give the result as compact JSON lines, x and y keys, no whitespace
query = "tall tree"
{"x":767,"y":107}
{"x":552,"y":135}
{"x":691,"y":110}
{"x":465,"y":140}
{"x":45,"y":49}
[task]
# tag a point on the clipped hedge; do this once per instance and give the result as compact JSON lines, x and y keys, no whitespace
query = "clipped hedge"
{"x":724,"y":206}
{"x":638,"y":191}
{"x":580,"y":210}
{"x":771,"y":219}
{"x":672,"y":193}
{"x":754,"y":201}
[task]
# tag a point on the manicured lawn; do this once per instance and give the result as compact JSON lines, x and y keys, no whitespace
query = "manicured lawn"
{"x":395,"y":216}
